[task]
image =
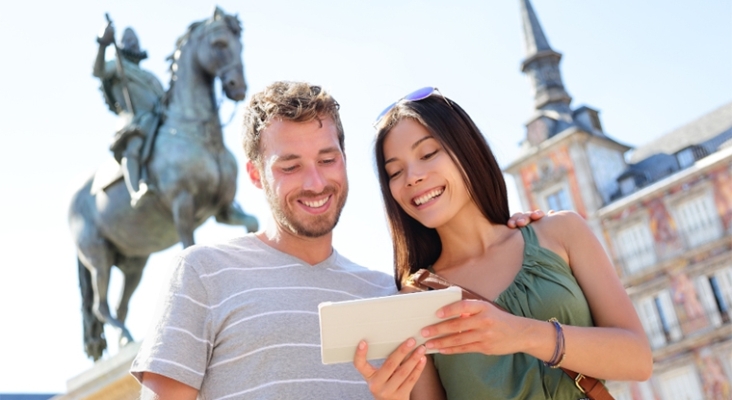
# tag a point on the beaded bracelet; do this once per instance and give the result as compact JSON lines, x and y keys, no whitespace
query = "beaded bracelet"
{"x":559,"y":351}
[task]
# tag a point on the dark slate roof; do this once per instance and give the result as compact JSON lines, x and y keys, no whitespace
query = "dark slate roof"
{"x":718,"y":142}
{"x":658,"y":159}
{"x":651,"y":169}
{"x":696,"y":132}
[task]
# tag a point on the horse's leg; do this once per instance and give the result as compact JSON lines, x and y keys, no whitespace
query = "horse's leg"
{"x":233,"y":214}
{"x":99,"y":258}
{"x":94,"y":253}
{"x":132,"y":268}
{"x":183,"y":217}
{"x":94,"y":342}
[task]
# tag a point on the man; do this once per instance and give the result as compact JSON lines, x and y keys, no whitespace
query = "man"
{"x":240,"y":319}
{"x":134,"y":94}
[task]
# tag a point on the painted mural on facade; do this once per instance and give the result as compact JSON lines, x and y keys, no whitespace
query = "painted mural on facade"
{"x":556,"y":164}
{"x":688,"y":306}
{"x":722,"y":179}
{"x":715,"y":382}
{"x":530,"y":174}
{"x":663,"y":227}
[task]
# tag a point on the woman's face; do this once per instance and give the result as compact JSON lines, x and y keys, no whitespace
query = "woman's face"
{"x":423,"y":179}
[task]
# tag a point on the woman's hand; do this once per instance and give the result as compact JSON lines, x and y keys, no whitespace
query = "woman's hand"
{"x":480,"y":327}
{"x":526,"y":217}
{"x":397,"y":375}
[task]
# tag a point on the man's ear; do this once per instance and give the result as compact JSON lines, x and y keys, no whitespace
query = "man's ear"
{"x":254,"y":175}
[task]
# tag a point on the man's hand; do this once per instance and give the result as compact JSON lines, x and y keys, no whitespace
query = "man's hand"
{"x":107,"y":37}
{"x":524,"y":218}
{"x":398,"y":374}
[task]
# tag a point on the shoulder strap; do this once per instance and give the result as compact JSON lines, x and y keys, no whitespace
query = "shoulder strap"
{"x":425,"y":280}
{"x":530,"y":239}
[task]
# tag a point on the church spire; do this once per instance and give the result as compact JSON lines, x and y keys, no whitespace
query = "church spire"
{"x":534,"y":38}
{"x":542,"y":65}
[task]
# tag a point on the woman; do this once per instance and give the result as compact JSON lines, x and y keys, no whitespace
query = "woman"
{"x":447,"y":208}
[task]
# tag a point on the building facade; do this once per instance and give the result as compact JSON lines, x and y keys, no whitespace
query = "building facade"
{"x":663,"y":211}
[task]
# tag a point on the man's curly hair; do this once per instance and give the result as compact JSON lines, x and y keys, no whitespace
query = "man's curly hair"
{"x":291,"y":101}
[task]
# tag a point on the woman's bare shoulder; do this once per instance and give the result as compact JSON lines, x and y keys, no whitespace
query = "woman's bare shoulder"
{"x":558,"y":230}
{"x":558,"y":222}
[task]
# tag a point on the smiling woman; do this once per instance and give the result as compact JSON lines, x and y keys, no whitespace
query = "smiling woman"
{"x":413,"y":154}
{"x":543,"y":297}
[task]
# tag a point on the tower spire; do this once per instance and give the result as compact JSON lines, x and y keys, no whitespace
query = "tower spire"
{"x":542,"y":65}
{"x":534,"y":39}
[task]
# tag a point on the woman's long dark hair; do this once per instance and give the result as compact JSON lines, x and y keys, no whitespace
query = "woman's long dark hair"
{"x":415,"y":245}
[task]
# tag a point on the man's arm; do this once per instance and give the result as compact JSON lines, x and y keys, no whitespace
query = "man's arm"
{"x":172,"y":360}
{"x":159,"y":387}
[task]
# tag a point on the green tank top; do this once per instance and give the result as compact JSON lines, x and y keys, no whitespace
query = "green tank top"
{"x":543,"y":288}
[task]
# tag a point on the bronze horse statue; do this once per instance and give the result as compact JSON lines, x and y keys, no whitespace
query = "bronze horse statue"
{"x":193,"y":173}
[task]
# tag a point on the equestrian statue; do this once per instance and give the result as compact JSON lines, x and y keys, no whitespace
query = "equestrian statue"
{"x":170,"y":171}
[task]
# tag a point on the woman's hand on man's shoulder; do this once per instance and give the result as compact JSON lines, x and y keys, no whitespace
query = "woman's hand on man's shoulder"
{"x":524,"y":218}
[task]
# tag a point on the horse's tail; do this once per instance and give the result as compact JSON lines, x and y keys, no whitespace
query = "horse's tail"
{"x":94,"y":341}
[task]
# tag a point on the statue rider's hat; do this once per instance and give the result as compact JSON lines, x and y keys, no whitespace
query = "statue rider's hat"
{"x":129,"y":46}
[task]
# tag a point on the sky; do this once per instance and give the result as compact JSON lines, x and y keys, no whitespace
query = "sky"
{"x":649,"y":67}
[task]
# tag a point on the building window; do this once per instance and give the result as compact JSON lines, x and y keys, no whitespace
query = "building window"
{"x":699,"y":221}
{"x":627,"y":185}
{"x":681,"y":384}
{"x":705,"y":289}
{"x":631,"y":390}
{"x":646,"y":391}
{"x":685,"y":157}
{"x":721,"y":284}
{"x":635,"y":247}
{"x":651,"y":322}
{"x":622,"y":393}
{"x":559,"y":200}
{"x":667,"y":313}
{"x":659,"y":319}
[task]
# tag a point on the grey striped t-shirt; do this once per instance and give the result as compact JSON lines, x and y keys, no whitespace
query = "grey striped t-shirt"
{"x":240,"y":321}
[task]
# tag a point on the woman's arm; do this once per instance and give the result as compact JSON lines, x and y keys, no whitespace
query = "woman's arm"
{"x":616,"y":348}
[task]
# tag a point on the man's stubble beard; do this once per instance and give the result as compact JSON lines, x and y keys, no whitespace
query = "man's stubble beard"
{"x":319,"y":225}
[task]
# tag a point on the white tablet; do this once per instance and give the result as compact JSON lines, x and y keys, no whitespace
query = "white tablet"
{"x":383,"y":322}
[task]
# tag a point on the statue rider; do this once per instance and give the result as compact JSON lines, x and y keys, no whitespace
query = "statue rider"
{"x":134,"y":94}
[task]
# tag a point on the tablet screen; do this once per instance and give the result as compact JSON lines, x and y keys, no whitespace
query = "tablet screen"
{"x":383,"y":322}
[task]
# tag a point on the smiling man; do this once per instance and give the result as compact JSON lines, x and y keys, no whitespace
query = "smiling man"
{"x":240,"y":319}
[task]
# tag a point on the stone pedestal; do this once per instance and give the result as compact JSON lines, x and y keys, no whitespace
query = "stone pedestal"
{"x":108,"y":379}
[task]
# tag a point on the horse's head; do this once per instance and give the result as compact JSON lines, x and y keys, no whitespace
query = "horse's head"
{"x":219,"y":52}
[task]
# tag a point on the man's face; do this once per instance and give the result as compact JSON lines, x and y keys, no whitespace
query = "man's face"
{"x":303,"y":175}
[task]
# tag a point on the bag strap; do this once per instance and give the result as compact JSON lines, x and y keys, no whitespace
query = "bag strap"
{"x":425,"y":280}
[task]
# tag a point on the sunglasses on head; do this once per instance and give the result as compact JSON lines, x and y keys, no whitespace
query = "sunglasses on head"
{"x":417,"y":95}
